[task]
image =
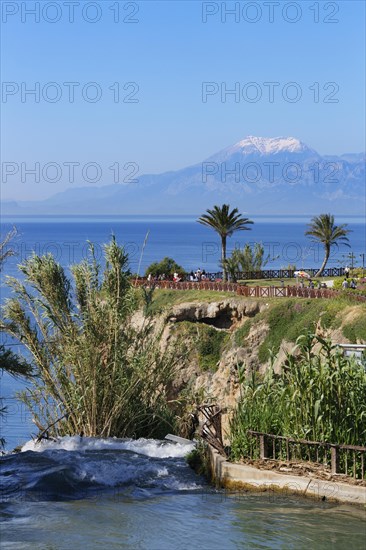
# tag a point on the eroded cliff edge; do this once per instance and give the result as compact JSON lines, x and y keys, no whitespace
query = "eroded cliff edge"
{"x":217,"y":338}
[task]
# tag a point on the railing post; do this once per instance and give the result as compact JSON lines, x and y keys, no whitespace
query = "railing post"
{"x":334,"y":457}
{"x":263,"y":446}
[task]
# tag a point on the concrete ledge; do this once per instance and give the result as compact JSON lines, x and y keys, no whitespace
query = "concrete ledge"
{"x":241,"y":476}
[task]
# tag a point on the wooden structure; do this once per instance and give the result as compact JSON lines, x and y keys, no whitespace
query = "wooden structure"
{"x":253,"y":291}
{"x":343,"y":459}
{"x":211,"y":430}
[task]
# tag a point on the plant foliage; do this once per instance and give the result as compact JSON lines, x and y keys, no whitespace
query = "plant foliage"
{"x":95,"y":370}
{"x":225,"y":222}
{"x":167,"y":266}
{"x":319,"y":396}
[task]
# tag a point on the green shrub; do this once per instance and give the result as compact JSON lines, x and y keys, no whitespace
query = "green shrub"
{"x":337,"y":283}
{"x":242,"y":333}
{"x":203,"y":343}
{"x":288,"y":319}
{"x":166,"y":267}
{"x":357,"y":272}
{"x":198,"y":460}
{"x":329,"y":318}
{"x":361,"y":289}
{"x":210,"y":345}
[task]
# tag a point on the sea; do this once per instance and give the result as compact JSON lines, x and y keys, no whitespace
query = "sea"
{"x":91,"y":493}
{"x":190,"y":244}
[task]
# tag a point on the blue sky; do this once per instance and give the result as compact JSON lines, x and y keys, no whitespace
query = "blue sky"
{"x":168,"y":53}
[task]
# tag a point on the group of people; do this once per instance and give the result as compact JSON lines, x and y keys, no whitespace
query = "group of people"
{"x":197,"y":276}
{"x":347,"y":284}
{"x":193,"y":276}
{"x":156,"y":278}
{"x":311,"y":284}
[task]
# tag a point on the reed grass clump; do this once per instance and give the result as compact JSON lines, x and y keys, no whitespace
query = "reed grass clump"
{"x":320,"y":395}
{"x":97,"y":373}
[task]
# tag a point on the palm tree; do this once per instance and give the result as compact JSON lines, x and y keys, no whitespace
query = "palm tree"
{"x":322,"y":229}
{"x":225,"y":223}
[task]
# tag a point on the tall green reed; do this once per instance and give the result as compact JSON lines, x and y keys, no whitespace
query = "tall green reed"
{"x":97,"y":372}
{"x":320,"y":395}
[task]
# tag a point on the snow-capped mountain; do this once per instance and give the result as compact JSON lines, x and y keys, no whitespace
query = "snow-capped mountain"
{"x":259,"y":146}
{"x":279,"y":175}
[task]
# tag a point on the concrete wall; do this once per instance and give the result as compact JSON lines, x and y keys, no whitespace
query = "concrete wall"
{"x":240,"y":476}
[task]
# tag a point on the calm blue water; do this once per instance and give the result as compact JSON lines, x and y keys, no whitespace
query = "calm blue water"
{"x":189,"y":243}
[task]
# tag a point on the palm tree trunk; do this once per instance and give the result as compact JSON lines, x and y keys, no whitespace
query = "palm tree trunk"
{"x":326,"y":258}
{"x":223,"y":257}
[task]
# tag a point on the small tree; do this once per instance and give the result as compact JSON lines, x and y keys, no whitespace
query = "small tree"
{"x":247,"y":259}
{"x":251,"y":258}
{"x":167,"y":266}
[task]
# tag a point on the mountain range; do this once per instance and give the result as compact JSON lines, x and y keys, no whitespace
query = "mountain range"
{"x":279,"y":175}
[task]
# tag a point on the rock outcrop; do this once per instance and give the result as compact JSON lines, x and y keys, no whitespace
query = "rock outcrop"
{"x":222,"y":315}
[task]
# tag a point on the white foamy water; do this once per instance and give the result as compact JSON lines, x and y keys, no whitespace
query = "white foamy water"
{"x":148,"y":447}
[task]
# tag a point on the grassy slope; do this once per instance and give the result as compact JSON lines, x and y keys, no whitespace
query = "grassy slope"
{"x":168,"y":298}
{"x":289,"y":318}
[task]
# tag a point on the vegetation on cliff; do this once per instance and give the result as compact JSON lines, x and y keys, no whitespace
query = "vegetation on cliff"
{"x":205,"y":344}
{"x":289,"y":318}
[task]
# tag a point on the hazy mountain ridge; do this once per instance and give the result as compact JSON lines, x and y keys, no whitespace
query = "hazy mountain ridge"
{"x":260,"y":175}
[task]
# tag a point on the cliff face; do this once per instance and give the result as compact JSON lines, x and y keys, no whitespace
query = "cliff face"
{"x":221,"y":336}
{"x":195,"y":324}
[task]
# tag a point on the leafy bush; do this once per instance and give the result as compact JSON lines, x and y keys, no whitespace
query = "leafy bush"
{"x":361,"y":288}
{"x":337,"y":283}
{"x":246,"y":259}
{"x":198,"y":460}
{"x":357,"y":272}
{"x":208,"y":343}
{"x":167,"y":267}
